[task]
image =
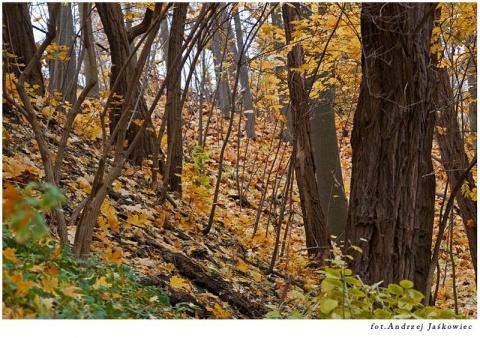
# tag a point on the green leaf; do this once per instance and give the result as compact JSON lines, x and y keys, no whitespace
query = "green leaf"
{"x":356,"y":248}
{"x":332,"y":282}
{"x":352,"y":281}
{"x":332,"y":273}
{"x":297,"y":295}
{"x":273,"y":315}
{"x":417,"y":296}
{"x":403,"y":316}
{"x":356,"y":293}
{"x":406,"y":284}
{"x":327,"y":305}
{"x":296,"y":315}
{"x":382,"y":314}
{"x":395,"y":289}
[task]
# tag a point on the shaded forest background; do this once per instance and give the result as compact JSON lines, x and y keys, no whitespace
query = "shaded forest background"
{"x":239,"y":160}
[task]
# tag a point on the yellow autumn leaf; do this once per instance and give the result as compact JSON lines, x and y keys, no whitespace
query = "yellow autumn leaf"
{"x":137,"y":220}
{"x":84,"y":184}
{"x":473,"y":194}
{"x":470,"y":223}
{"x":22,"y":286}
{"x":70,"y":290}
{"x":102,"y":223}
{"x":178,"y":282}
{"x":219,"y":312}
{"x":109,"y":212}
{"x":48,"y":111}
{"x":9,"y":253}
{"x":113,"y":257}
{"x":242,"y":266}
{"x":257,"y":277}
{"x":48,"y":284}
{"x":102,"y":282}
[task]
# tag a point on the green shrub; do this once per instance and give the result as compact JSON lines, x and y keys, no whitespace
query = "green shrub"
{"x":344,"y":296}
{"x":43,"y":280}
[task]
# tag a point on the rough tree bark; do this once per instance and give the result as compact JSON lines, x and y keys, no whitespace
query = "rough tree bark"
{"x":387,"y":218}
{"x":18,"y":40}
{"x":317,"y":237}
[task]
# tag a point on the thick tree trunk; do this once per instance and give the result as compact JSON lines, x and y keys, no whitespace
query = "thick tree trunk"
{"x":173,"y":107}
{"x":317,"y":237}
{"x":454,"y":158}
{"x":391,"y":201}
{"x":118,"y":38}
{"x":18,"y":40}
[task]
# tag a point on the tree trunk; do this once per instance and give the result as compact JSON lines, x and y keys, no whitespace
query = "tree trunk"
{"x":91,"y":71}
{"x":221,"y":71}
{"x":247,"y":99}
{"x":62,"y":72}
{"x":173,"y":107}
{"x":390,"y":146}
{"x":317,"y":237}
{"x":327,"y":164}
{"x":18,"y":40}
{"x":472,"y":107}
{"x":454,"y":158}
{"x":286,"y":111}
{"x":118,"y":39}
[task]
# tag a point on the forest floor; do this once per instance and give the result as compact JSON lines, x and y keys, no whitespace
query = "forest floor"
{"x":222,"y":274}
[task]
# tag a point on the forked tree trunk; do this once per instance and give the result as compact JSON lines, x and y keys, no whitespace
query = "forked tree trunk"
{"x":119,"y":40}
{"x":317,"y":237}
{"x":391,"y":202}
{"x":454,"y":158}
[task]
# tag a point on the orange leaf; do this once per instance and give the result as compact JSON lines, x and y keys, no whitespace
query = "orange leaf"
{"x":219,"y":312}
{"x":10,"y":197}
{"x":9,"y":253}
